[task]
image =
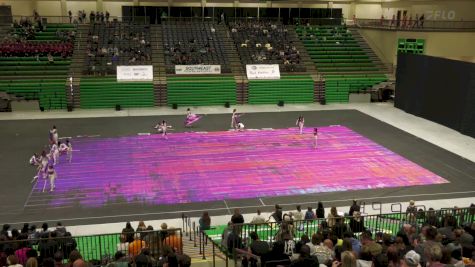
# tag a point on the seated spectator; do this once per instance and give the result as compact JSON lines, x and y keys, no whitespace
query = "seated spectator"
{"x":12,"y":261}
{"x":128,"y":231}
{"x":205,"y":222}
{"x":276,"y":256}
{"x":50,"y":59}
{"x":120,"y":260}
{"x":174,"y":241}
{"x":136,"y":246}
{"x":237,"y":217}
{"x":305,"y":259}
{"x":123,"y":245}
{"x":144,"y":259}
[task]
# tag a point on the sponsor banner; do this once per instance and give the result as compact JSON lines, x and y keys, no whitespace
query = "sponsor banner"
{"x":139,"y":73}
{"x":263,"y":72}
{"x":198,"y":69}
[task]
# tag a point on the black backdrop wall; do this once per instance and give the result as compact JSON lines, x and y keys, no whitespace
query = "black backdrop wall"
{"x":437,"y":89}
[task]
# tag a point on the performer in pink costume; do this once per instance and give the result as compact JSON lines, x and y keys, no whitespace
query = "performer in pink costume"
{"x":300,"y":122}
{"x":315,"y":136}
{"x":191,"y":118}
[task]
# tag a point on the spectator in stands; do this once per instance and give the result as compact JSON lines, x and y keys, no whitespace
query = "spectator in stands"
{"x":305,"y":259}
{"x":60,"y":230}
{"x":12,"y":261}
{"x":357,"y":223}
{"x":354,"y":207}
{"x":234,"y":240}
{"x":298,"y":214}
{"x":70,"y":15}
{"x":123,"y":245}
{"x":50,"y":58}
{"x":107,"y":16}
{"x":31,"y":262}
{"x":258,"y":247}
{"x":421,"y":21}
{"x":58,"y":259}
{"x":22,"y":251}
{"x":276,"y":256}
{"x":258,"y":218}
{"x":205,"y":221}
{"x":68,"y":244}
{"x":331,"y":218}
{"x":237,"y":217}
{"x":309,"y":215}
{"x":174,"y":241}
{"x":144,"y":259}
{"x":277,"y":214}
{"x":136,"y":246}
{"x":226,"y":233}
{"x":320,"y":213}
{"x":433,"y":254}
{"x":128,"y":231}
{"x":141,"y":228}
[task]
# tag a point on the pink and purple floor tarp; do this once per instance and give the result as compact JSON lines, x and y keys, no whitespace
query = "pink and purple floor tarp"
{"x":213,"y":166}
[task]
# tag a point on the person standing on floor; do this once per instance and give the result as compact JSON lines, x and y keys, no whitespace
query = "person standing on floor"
{"x":300,"y":123}
{"x":51,"y":177}
{"x":53,"y":135}
{"x":315,"y":137}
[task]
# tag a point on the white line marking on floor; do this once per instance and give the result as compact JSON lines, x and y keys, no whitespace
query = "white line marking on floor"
{"x":143,"y":133}
{"x":263,"y":204}
{"x":66,"y":137}
{"x":228,"y":208}
{"x":267,"y":128}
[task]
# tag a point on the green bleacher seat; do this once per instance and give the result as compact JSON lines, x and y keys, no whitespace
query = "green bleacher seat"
{"x":201,"y":90}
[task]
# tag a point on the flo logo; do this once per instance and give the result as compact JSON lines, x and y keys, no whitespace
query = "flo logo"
{"x":440,"y":15}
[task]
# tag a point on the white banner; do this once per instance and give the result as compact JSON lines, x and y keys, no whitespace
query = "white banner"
{"x":198,"y":69}
{"x":263,"y":72}
{"x":139,"y":73}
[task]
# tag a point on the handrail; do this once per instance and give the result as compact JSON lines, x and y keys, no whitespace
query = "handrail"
{"x":396,"y":204}
{"x":415,"y":24}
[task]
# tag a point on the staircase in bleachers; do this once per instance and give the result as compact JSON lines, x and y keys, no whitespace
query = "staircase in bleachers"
{"x":25,"y":74}
{"x":237,"y":69}
{"x":368,"y":51}
{"x":200,"y":42}
{"x":77,"y":65}
{"x":159,"y":68}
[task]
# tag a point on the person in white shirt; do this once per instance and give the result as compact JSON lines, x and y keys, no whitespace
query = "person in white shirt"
{"x":258,"y":218}
{"x":300,"y":123}
{"x":53,"y":135}
{"x":35,"y":160}
{"x":67,"y":148}
{"x":55,"y":152}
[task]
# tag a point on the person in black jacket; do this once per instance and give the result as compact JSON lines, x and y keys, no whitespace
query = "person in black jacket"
{"x":357,"y":223}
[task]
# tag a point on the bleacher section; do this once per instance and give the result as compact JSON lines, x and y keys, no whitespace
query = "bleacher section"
{"x":32,"y":76}
{"x":290,"y":89}
{"x":115,"y":44}
{"x":107,"y":93}
{"x":190,"y":43}
{"x":50,"y":92}
{"x":201,"y":91}
{"x":345,"y":65}
{"x":333,"y":49}
{"x":338,"y":87}
{"x":266,"y":42}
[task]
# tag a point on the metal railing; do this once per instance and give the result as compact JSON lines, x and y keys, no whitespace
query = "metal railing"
{"x":416,"y":25}
{"x":385,"y":223}
{"x":99,"y":247}
{"x":75,"y":19}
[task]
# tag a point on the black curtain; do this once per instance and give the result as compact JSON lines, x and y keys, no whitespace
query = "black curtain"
{"x":437,"y":89}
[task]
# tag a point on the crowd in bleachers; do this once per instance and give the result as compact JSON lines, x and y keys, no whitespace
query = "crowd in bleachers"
{"x":25,"y":49}
{"x":115,"y":44}
{"x":264,"y":42}
{"x":425,"y":238}
{"x":56,"y":247}
{"x":22,"y":40}
{"x":192,"y":44}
